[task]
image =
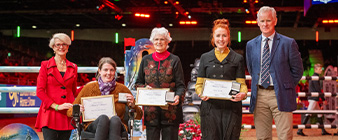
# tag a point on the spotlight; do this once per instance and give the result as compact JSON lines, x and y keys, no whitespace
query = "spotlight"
{"x":188,"y":22}
{"x":142,"y":15}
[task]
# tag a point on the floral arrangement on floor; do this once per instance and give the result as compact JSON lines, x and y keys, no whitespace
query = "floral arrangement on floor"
{"x":190,"y":130}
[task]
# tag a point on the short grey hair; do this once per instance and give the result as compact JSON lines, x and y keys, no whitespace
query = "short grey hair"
{"x":161,"y":31}
{"x":62,"y":36}
{"x":267,"y":9}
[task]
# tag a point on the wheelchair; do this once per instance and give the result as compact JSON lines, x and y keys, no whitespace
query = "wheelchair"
{"x":125,"y":134}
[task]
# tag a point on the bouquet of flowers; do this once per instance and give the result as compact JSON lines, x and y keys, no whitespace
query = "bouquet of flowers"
{"x":190,"y":130}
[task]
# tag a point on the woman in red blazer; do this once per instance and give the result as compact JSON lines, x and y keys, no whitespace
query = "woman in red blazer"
{"x":56,"y":87}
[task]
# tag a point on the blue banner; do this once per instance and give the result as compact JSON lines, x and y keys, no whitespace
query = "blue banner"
{"x":323,"y":1}
{"x":19,"y":99}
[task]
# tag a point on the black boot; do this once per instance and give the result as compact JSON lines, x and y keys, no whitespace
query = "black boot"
{"x":320,"y":120}
{"x":300,"y":131}
{"x":335,"y":134}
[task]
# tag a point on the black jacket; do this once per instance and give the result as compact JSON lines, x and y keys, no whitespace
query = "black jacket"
{"x":230,"y":68}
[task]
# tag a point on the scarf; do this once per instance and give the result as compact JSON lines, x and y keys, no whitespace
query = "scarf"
{"x":107,"y":87}
{"x":160,"y":56}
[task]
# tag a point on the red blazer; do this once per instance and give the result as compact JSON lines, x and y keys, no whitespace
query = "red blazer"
{"x":53,"y":88}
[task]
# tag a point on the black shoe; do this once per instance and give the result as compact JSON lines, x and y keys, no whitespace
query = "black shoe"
{"x":301,"y":133}
{"x":335,"y":134}
{"x":325,"y":133}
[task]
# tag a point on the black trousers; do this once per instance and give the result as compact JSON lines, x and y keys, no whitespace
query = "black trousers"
{"x":51,"y":134}
{"x":169,"y":132}
{"x":106,"y":129}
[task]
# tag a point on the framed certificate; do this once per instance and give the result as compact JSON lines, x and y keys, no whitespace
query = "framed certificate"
{"x":151,"y":97}
{"x":95,"y":106}
{"x":218,"y":89}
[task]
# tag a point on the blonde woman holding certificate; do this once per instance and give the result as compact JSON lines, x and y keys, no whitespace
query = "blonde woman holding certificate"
{"x":221,"y":119}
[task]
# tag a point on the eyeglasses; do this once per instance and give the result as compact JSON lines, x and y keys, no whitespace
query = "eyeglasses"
{"x":59,"y":45}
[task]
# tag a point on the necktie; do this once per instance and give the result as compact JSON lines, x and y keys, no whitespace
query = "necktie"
{"x":265,"y":74}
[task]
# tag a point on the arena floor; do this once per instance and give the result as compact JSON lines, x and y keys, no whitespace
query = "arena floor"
{"x":313,"y":134}
{"x":247,"y":134}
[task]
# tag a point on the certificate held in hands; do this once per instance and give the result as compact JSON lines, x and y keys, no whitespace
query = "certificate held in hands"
{"x":220,"y":89}
{"x":151,"y":97}
{"x":95,"y":106}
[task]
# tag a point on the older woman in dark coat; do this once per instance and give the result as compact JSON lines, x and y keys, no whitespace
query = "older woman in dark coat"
{"x":162,"y":70}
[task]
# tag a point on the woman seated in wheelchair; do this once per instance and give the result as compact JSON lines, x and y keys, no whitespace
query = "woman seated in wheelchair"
{"x":103,"y":127}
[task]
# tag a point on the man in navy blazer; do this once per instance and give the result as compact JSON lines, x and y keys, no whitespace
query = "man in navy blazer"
{"x":273,"y":94}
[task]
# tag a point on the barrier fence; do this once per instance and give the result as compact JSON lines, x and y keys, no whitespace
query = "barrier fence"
{"x":301,"y":126}
{"x":34,"y":110}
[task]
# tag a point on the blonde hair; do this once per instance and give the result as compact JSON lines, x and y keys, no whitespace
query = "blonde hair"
{"x":62,"y":36}
{"x":220,"y":23}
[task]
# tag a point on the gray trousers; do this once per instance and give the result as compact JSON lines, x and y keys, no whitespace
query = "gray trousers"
{"x":105,"y":128}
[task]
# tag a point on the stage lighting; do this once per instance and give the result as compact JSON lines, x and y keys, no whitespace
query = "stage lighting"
{"x":72,"y":35}
{"x":18,"y":31}
{"x":142,"y":15}
{"x":250,"y":22}
{"x":330,"y":21}
{"x":188,"y":22}
{"x":117,"y":38}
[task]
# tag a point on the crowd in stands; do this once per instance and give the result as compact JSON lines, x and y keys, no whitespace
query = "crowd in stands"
{"x":12,"y":54}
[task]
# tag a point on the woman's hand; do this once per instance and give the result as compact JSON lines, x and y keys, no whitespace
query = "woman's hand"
{"x":238,"y":97}
{"x":130,"y":100}
{"x":176,"y":100}
{"x":81,"y":108}
{"x":64,"y":106}
{"x":148,"y":87}
{"x":204,"y":98}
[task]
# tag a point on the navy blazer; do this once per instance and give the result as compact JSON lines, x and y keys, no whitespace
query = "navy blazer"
{"x":286,"y":69}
